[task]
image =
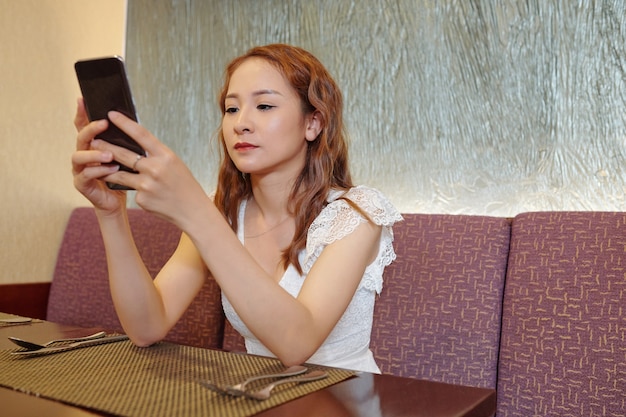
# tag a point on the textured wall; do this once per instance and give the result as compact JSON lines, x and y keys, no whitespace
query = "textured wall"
{"x":467,"y":106}
{"x":39,"y":42}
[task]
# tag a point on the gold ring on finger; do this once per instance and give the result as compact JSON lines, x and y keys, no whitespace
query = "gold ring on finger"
{"x":136,"y":161}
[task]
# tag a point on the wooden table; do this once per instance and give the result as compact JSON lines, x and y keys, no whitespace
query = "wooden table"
{"x":364,"y":395}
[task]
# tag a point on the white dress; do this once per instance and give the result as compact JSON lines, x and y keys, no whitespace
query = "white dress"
{"x":347,"y":346}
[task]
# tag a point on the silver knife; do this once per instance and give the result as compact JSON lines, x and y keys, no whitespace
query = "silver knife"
{"x":16,"y":320}
{"x":71,"y":346}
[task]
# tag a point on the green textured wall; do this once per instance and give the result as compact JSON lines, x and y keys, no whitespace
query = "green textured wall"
{"x":480,"y":107}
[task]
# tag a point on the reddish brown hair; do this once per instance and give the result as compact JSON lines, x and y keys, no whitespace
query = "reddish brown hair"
{"x":326,"y":165}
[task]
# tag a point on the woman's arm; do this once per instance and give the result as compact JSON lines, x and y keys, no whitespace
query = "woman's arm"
{"x":148,"y":309}
{"x":291,"y":328}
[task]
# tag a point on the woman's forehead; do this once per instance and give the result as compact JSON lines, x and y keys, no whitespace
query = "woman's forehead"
{"x":256,"y":74}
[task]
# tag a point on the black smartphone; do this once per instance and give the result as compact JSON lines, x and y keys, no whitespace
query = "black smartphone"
{"x":105,"y":87}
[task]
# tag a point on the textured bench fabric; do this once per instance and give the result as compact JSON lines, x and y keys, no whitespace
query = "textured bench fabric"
{"x":79,"y":294}
{"x":233,"y":341}
{"x":563,"y":349}
{"x":438,"y":317}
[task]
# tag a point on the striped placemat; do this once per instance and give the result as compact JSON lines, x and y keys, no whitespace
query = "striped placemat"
{"x":162,"y":380}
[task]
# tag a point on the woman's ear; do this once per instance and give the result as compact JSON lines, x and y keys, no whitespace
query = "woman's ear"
{"x":313,"y":126}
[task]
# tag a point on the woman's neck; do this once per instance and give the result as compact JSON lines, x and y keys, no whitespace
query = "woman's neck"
{"x":271,"y":200}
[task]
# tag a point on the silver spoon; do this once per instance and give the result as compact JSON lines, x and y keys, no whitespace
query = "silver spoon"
{"x":265,"y":392}
{"x":16,"y":320}
{"x":239,"y":389}
{"x":35,"y":346}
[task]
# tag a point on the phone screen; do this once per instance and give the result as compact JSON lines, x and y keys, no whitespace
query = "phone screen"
{"x":105,"y":87}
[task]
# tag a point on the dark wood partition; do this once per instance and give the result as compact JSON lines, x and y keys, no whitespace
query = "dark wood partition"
{"x":28,"y":299}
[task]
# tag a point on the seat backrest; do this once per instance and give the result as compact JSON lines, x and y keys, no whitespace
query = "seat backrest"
{"x":438,"y":317}
{"x":233,"y":340}
{"x":79,"y":293}
{"x":563,"y":347}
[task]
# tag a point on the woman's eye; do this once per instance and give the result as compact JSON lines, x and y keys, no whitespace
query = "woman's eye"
{"x":231,"y":110}
{"x":265,"y":107}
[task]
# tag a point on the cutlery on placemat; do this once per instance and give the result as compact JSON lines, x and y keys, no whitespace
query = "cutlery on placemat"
{"x":239,"y":389}
{"x":71,"y":346}
{"x":265,"y":392}
{"x":36,"y":346}
{"x":16,"y":320}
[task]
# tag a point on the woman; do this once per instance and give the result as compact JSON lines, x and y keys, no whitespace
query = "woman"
{"x":297,"y":250}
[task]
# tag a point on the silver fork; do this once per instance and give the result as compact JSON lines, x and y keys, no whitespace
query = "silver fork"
{"x":265,"y":392}
{"x":239,"y":389}
{"x":35,"y":346}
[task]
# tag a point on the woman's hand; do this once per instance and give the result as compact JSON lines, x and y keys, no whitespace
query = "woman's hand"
{"x":164,"y":184}
{"x":90,"y":166}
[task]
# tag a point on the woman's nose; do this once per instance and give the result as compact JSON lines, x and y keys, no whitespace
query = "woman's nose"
{"x":243,"y":123}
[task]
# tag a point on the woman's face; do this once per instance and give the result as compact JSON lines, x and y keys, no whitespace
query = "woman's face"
{"x":264,"y":128}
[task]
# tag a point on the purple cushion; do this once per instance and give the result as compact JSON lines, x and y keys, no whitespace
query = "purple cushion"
{"x":438,"y":317}
{"x":563,"y":349}
{"x":233,"y":341}
{"x":79,"y":293}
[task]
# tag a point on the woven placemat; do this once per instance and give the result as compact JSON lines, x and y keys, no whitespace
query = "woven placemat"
{"x":162,"y":380}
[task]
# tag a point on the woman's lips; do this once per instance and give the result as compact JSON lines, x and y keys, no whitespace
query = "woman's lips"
{"x":244,"y":146}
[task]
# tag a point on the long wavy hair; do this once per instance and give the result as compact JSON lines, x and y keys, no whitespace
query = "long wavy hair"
{"x":326,"y":165}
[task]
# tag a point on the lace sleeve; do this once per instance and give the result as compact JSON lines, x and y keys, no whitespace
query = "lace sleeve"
{"x":338,"y":219}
